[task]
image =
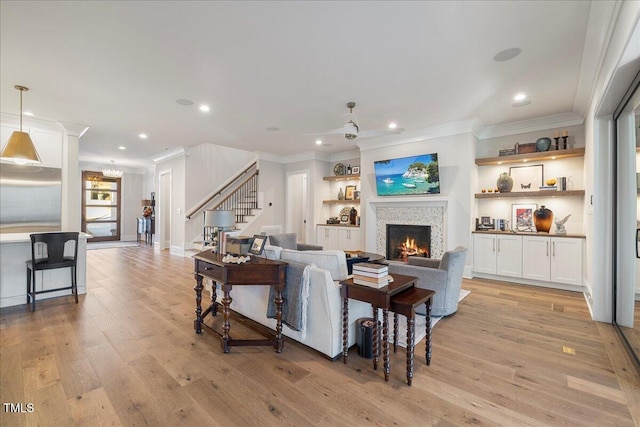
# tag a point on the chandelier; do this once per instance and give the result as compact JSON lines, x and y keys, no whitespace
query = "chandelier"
{"x":112,"y":172}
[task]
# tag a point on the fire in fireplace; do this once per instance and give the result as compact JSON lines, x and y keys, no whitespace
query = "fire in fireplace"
{"x":408,"y":240}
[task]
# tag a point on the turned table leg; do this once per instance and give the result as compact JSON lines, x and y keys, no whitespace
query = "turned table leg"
{"x":226,"y":326}
{"x":411,"y":336}
{"x":395,"y":332}
{"x":375,"y":341}
{"x":279,"y":341}
{"x":385,"y":342}
{"x":345,"y":329}
{"x":428,"y":327}
{"x":197,"y":324}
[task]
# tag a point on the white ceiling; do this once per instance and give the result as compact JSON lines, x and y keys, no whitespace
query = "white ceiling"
{"x":119,"y":67}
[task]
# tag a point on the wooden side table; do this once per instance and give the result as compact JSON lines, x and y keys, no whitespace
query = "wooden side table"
{"x":258,"y":271}
{"x":405,"y":303}
{"x":378,"y":298}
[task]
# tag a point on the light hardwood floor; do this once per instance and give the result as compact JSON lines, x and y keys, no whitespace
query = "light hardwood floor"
{"x":513,"y":355}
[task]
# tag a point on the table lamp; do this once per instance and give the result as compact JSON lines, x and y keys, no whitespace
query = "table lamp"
{"x":222,"y":220}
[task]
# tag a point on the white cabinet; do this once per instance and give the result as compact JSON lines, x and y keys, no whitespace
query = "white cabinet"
{"x":339,"y":237}
{"x":566,"y":260}
{"x":327,"y":237}
{"x":554,"y":259}
{"x":497,"y":254}
{"x":536,"y":256}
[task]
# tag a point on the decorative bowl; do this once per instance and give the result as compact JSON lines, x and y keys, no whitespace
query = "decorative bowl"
{"x":543,"y":144}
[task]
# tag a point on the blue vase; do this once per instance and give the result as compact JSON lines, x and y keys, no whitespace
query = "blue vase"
{"x":543,"y":144}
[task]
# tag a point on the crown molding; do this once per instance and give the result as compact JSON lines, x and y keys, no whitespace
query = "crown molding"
{"x":531,"y":125}
{"x":170,"y":154}
{"x":438,"y":131}
{"x":74,"y":129}
{"x":14,"y":119}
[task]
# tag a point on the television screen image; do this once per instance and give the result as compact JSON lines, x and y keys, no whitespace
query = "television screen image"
{"x":408,"y":175}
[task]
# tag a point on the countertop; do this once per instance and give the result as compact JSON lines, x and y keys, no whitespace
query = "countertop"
{"x":26,"y":237}
{"x":528,"y":233}
{"x":339,"y":225}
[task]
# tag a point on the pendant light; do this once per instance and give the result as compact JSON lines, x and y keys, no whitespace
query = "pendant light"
{"x":112,"y":172}
{"x":19,"y":148}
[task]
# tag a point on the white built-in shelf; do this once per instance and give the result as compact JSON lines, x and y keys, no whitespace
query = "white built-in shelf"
{"x":538,"y":156}
{"x":525,"y":194}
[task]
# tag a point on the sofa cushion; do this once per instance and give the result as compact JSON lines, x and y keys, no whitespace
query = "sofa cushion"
{"x":334,"y":261}
{"x":284,"y":240}
{"x":272,"y":252}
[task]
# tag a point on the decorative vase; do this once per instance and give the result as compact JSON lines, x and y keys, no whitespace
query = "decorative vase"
{"x":505,"y":182}
{"x":543,"y":144}
{"x":543,"y":218}
{"x":340,"y":194}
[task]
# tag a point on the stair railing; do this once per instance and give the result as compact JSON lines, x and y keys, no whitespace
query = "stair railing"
{"x":238,"y":193}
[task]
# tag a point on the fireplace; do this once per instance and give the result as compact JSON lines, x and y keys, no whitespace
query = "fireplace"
{"x":408,"y":240}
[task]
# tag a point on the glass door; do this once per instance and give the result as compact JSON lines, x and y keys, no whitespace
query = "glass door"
{"x":627,"y":204}
{"x":100,"y":206}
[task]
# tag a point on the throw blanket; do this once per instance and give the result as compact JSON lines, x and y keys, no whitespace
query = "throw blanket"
{"x":296,"y":297}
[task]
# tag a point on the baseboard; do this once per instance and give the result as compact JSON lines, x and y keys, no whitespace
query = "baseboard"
{"x":520,"y":280}
{"x":177,"y":250}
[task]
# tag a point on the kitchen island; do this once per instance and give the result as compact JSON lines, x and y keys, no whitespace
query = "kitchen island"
{"x":15,"y":250}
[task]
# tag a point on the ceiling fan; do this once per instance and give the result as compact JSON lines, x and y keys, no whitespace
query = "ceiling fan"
{"x":351,"y":129}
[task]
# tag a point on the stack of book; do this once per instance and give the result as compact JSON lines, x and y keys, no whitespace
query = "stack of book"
{"x":368,"y":274}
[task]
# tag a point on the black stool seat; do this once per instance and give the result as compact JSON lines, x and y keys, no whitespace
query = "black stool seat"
{"x":53,"y":249}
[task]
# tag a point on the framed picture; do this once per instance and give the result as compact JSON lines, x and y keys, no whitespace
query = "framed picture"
{"x":527,"y":178}
{"x":355,"y":170}
{"x":349,"y":192}
{"x":258,"y":244}
{"x":344,"y":219}
{"x":522,"y":217}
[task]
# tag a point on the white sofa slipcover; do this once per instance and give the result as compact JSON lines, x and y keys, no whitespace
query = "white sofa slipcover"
{"x":324,"y":312}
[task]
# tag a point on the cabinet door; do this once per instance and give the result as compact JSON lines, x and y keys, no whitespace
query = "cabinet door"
{"x":509,"y":256}
{"x":536,"y":257}
{"x":484,"y":253}
{"x":349,"y":239}
{"x":327,"y":237}
{"x":566,"y":260}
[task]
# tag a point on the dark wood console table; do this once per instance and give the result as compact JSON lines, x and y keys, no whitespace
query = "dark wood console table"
{"x":378,"y":298}
{"x":258,"y":271}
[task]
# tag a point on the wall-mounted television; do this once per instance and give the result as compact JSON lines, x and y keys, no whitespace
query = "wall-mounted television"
{"x":408,"y":175}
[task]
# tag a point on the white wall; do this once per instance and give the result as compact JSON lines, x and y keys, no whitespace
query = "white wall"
{"x":456,"y":157}
{"x":598,"y":158}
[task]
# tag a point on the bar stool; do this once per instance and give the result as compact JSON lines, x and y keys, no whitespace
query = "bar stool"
{"x":405,"y":303}
{"x":53,"y":257}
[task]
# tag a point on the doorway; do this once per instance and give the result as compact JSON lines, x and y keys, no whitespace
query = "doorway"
{"x":298,"y":204}
{"x":101,"y":207}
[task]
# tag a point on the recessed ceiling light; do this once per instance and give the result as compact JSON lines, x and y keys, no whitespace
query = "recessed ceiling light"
{"x":318,"y":142}
{"x":143,"y":136}
{"x":28,"y":113}
{"x":122,"y":147}
{"x":507,"y":54}
{"x":273,"y":129}
{"x":520,"y":97}
{"x":392,"y":125}
{"x":521,"y":103}
{"x":184,"y":102}
{"x":204,"y":108}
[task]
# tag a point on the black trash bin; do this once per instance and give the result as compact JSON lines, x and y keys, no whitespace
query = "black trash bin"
{"x":364,"y":337}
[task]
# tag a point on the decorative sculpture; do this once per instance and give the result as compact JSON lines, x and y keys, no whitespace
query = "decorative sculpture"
{"x":560,"y":229}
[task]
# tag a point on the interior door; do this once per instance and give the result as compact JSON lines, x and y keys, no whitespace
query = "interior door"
{"x":101,"y":206}
{"x":297,"y":205}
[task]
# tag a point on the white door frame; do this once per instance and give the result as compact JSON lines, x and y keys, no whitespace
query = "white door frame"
{"x":293,"y":204}
{"x":163,"y":226}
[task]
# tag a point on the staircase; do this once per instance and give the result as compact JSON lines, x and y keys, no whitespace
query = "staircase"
{"x":239,"y":194}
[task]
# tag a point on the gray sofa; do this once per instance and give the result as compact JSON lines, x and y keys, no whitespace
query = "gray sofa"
{"x":442,"y":276}
{"x":289,"y":241}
